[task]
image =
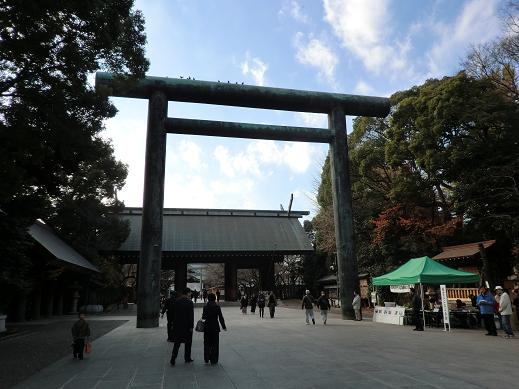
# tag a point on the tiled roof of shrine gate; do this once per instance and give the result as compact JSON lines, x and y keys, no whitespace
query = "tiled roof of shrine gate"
{"x":223,"y":230}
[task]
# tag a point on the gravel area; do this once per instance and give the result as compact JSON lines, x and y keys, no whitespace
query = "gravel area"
{"x":32,"y":346}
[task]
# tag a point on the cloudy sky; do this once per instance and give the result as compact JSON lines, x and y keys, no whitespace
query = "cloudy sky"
{"x":368,"y":47}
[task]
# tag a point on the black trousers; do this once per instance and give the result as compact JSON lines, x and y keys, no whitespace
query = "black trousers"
{"x":211,"y":346}
{"x":170,"y":330}
{"x":253,"y":308}
{"x":78,"y":348}
{"x":417,"y":318}
{"x":187,"y":350}
{"x":262,"y":311}
{"x":272,"y":310}
{"x":490,"y":324}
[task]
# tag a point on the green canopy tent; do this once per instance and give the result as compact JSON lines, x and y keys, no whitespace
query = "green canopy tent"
{"x":425,"y":270}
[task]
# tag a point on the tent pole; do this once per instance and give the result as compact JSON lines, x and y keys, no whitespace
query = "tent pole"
{"x":423,"y":311}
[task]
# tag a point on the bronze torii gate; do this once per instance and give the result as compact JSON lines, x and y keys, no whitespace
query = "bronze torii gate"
{"x":160,"y":90}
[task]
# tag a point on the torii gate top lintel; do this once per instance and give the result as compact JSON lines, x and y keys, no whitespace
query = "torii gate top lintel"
{"x":222,"y":93}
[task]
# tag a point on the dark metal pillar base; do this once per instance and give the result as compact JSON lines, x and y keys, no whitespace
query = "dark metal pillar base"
{"x":343,"y":215}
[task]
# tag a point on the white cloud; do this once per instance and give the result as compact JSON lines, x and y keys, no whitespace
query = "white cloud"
{"x":316,"y":54}
{"x":293,"y":8}
{"x":191,"y":154}
{"x":363,"y":88}
{"x":362,"y":26}
{"x":129,"y":139}
{"x":256,"y":68}
{"x":478,"y":23}
{"x":233,"y":165}
{"x":254,"y":160}
{"x":310,"y":119}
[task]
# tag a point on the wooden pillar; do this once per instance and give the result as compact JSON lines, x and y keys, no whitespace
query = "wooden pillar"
{"x":36,"y":304}
{"x":148,"y":293}
{"x":58,"y":303}
{"x":231,"y":281}
{"x":48,"y":308}
{"x":342,"y":210}
{"x":21,"y":307}
{"x":180,"y":276}
{"x":267,"y":274}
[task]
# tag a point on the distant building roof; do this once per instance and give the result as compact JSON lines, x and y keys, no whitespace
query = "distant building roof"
{"x":62,"y":251}
{"x":328,"y":279}
{"x":462,"y":250}
{"x":332,"y":278}
{"x":223,"y":230}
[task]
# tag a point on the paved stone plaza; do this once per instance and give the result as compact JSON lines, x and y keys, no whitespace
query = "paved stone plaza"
{"x":285,"y":353}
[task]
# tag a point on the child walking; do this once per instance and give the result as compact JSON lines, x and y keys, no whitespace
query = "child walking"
{"x":80,"y":334}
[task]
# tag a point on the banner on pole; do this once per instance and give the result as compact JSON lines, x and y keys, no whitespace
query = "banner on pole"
{"x":400,"y":288}
{"x":445,"y":307}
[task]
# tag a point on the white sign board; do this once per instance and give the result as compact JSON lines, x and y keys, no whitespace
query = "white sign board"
{"x":400,"y":288}
{"x":389,"y":315}
{"x":445,"y":307}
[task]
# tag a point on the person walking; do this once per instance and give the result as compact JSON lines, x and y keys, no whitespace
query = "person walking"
{"x":217,"y":295}
{"x":324,"y":305}
{"x":204,"y":295}
{"x":356,"y":306}
{"x":183,"y":323}
{"x":308,"y":305}
{"x":168,"y":310}
{"x":253,"y":303}
{"x":243,"y":304}
{"x":516,"y":303}
{"x":505,"y":309}
{"x":497,"y":297}
{"x":272,"y":304}
{"x":261,"y":304}
{"x":212,"y":313}
{"x":80,"y":334}
{"x":486,"y":304}
{"x":416,"y":303}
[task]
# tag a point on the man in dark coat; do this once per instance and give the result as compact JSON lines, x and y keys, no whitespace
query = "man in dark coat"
{"x":416,"y":303}
{"x":211,"y":314}
{"x":183,"y":323}
{"x":168,"y":309}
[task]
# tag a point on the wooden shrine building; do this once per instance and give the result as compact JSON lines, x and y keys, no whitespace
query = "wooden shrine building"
{"x":241,"y":239}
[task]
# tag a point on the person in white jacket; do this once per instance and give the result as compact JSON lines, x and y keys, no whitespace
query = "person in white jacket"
{"x":505,"y":309}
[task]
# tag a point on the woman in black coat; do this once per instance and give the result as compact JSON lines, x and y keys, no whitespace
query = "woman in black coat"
{"x":211,"y":314}
{"x":272,"y":304}
{"x":261,"y":304}
{"x":183,"y":323}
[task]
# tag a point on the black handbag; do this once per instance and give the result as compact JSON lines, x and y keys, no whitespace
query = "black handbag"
{"x":200,"y":325}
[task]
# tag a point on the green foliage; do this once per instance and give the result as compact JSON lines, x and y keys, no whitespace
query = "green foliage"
{"x":443,"y":168}
{"x":54,"y":163}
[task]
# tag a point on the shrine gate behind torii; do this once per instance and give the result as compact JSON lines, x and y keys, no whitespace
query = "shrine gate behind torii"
{"x":159,"y":91}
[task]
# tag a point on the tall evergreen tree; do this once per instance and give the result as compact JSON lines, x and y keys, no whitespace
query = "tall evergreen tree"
{"x":54,"y":163}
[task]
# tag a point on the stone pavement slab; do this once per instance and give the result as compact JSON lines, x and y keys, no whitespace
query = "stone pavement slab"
{"x":35,"y":345}
{"x":284,"y":352}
